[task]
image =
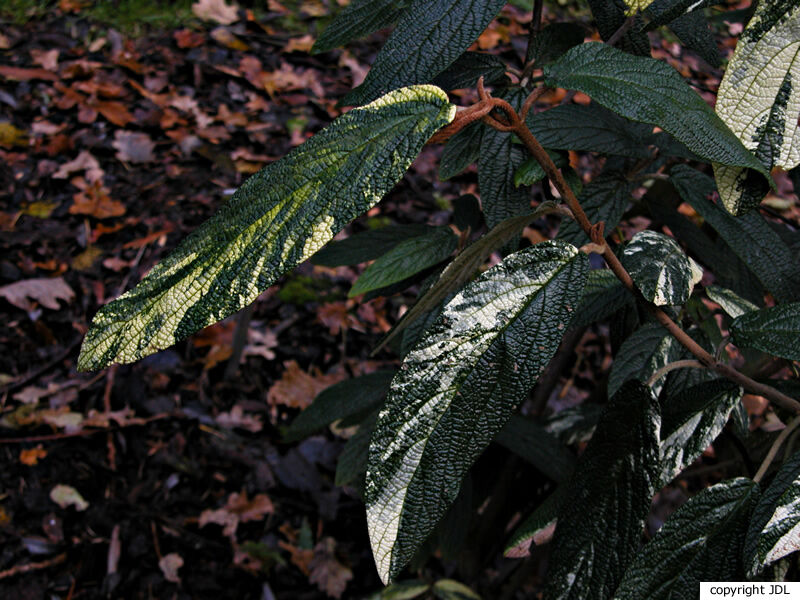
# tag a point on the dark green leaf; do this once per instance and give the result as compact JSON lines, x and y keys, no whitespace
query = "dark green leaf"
{"x":352,"y":465}
{"x":701,"y":541}
{"x":661,"y":12}
{"x":605,"y":198}
{"x":774,"y":530}
{"x":458,"y":387}
{"x":341,"y":400}
{"x":733,"y":304}
{"x":692,"y":420}
{"x":749,"y":236}
{"x":276,"y":220}
{"x":590,"y":128}
{"x":406,"y":259}
{"x":774,"y":330}
{"x":553,"y":41}
{"x":609,"y":16}
{"x":604,"y":295}
{"x":759,"y":100}
{"x":693,"y":31}
{"x":649,"y":91}
{"x":533,"y":443}
{"x":601,"y":519}
{"x":663,"y":273}
{"x":540,"y":522}
{"x":357,"y":19}
{"x":468,"y":68}
{"x":429,"y":37}
{"x":641,"y":355}
{"x":498,"y":160}
{"x":367,"y":245}
{"x":530,"y":171}
{"x":461,"y":151}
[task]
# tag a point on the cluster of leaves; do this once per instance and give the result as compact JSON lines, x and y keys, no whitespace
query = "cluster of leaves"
{"x":474,"y":346}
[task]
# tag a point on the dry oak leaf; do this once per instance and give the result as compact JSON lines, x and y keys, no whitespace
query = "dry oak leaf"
{"x":297,"y":389}
{"x":133,"y":147}
{"x":330,"y":575}
{"x":45,"y":290}
{"x":216,"y":10}
{"x":238,"y":509}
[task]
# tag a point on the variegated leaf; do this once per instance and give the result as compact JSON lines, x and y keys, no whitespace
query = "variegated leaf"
{"x":635,"y":6}
{"x":646,"y":350}
{"x":775,"y":525}
{"x":661,"y":12}
{"x":660,"y":268}
{"x":759,"y":99}
{"x":701,"y":541}
{"x":276,"y":220}
{"x":458,"y":387}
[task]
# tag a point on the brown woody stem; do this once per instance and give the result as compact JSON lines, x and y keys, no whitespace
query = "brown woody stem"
{"x":594,"y":230}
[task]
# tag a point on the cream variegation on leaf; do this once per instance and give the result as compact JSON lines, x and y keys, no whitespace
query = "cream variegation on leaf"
{"x":759,"y":99}
{"x":276,"y":220}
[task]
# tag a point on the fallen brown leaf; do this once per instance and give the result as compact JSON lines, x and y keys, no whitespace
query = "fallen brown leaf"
{"x":216,"y":10}
{"x":45,"y":291}
{"x":133,"y":147}
{"x":330,"y":575}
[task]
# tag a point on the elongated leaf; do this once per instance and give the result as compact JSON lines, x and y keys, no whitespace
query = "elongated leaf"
{"x":693,"y":31}
{"x":603,"y":296}
{"x":539,"y":522}
{"x":692,"y":420}
{"x":341,"y":400}
{"x":530,"y":171}
{"x":660,"y":269}
{"x":642,"y":354}
{"x":609,"y":16}
{"x":650,"y":91}
{"x":461,"y":151}
{"x":357,"y":19}
{"x":662,"y":12}
{"x":605,"y":198}
{"x":468,"y":68}
{"x":553,"y":41}
{"x":536,"y":445}
{"x":601,"y":519}
{"x":276,"y":220}
{"x":701,"y":541}
{"x":430,"y":36}
{"x":733,"y":304}
{"x":774,"y":530}
{"x":406,"y":259}
{"x":759,"y":100}
{"x":498,"y":161}
{"x":576,"y":424}
{"x":774,"y":330}
{"x":749,"y":236}
{"x":590,"y":128}
{"x":405,"y":590}
{"x":448,"y":589}
{"x":458,"y":388}
{"x":367,"y":245}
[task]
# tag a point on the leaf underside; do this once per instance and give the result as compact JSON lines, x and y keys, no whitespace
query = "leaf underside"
{"x":276,"y":220}
{"x":458,"y":387}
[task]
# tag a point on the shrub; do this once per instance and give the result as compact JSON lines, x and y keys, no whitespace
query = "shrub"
{"x":477,"y":341}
